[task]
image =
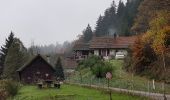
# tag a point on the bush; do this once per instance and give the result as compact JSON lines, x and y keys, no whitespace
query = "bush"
{"x":12,"y":88}
{"x":90,"y":62}
{"x":101,"y":68}
{"x":8,"y":88}
{"x":98,"y":66}
{"x":3,"y":95}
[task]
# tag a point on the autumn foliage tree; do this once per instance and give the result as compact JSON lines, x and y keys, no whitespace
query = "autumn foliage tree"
{"x":151,"y":46}
{"x":160,"y":31}
{"x":143,"y":56}
{"x":160,"y":28}
{"x":147,"y":12}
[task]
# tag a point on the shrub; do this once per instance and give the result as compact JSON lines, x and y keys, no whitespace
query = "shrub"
{"x":98,"y":66}
{"x":90,"y":62}
{"x":8,"y":88}
{"x":12,"y":88}
{"x":3,"y":95}
{"x":101,"y":68}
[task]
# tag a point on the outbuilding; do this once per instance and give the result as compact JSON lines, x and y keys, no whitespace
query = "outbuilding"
{"x":36,"y":69}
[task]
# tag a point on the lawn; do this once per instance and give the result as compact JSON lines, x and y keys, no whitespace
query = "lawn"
{"x":69,"y":92}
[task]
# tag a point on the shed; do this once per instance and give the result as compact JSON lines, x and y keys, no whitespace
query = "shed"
{"x":36,"y":69}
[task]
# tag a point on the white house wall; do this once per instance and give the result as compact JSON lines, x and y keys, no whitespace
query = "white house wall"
{"x":96,"y":52}
{"x":112,"y":52}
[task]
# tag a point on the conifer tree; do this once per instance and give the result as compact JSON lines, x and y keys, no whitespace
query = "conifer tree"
{"x":98,"y":29}
{"x":4,"y":51}
{"x":16,"y":57}
{"x":119,"y":22}
{"x":88,"y":33}
{"x":121,"y":8}
{"x":59,"y":70}
{"x":106,"y":22}
{"x":126,"y":19}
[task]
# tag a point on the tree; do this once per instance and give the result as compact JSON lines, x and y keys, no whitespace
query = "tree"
{"x":106,"y":22}
{"x":127,"y":17}
{"x":117,"y":22}
{"x":4,"y":51}
{"x":160,"y":31}
{"x":98,"y":28}
{"x":16,"y":58}
{"x":59,"y":70}
{"x":146,"y":12}
{"x":88,"y":33}
{"x":151,"y":47}
{"x":121,"y":8}
{"x":143,"y":55}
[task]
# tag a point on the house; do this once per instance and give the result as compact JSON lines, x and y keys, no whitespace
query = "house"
{"x":108,"y":46}
{"x":82,"y":50}
{"x":105,"y":47}
{"x":36,"y":69}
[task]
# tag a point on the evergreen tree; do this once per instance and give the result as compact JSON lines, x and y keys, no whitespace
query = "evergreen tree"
{"x":98,"y":29}
{"x":105,"y":23}
{"x":59,"y":69}
{"x":16,"y":57}
{"x":4,"y":51}
{"x":88,"y":33}
{"x":127,"y":16}
{"x":121,"y":18}
{"x":117,"y":22}
{"x":121,"y":9}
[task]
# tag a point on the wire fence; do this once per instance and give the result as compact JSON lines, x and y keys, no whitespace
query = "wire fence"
{"x":146,"y":86}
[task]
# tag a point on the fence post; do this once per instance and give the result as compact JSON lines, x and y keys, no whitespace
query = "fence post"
{"x":153,"y":84}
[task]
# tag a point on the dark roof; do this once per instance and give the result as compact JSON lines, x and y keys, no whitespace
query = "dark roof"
{"x":32,"y":60}
{"x":81,"y":46}
{"x":112,"y":42}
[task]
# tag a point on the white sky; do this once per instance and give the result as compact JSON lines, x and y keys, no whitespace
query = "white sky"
{"x":48,"y":21}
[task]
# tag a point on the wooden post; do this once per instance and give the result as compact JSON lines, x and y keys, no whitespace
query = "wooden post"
{"x":153,"y":84}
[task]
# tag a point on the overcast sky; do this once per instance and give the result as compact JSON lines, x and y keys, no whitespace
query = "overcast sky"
{"x":48,"y":21}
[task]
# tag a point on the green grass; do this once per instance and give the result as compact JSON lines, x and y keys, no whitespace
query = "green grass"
{"x":69,"y":92}
{"x":121,"y":79}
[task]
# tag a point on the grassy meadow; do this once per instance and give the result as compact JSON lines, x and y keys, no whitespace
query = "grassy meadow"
{"x":69,"y":92}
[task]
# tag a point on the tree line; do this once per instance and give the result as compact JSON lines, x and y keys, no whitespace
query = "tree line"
{"x":116,"y":20}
